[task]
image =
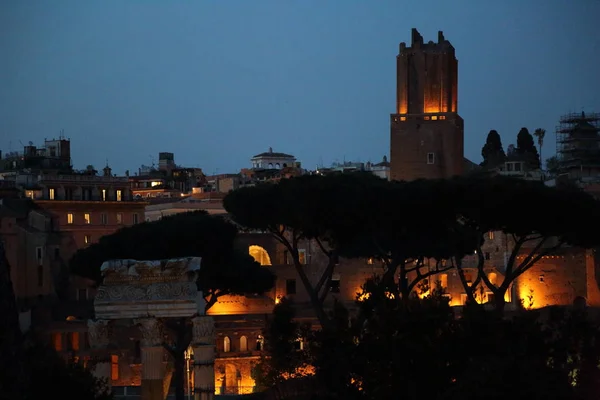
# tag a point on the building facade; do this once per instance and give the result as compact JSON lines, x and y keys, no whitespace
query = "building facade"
{"x":273,"y":160}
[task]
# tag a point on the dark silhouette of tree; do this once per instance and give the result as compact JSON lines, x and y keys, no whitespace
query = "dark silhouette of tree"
{"x":540,"y":134}
{"x":413,"y":229}
{"x":394,"y":348}
{"x":526,"y":149}
{"x":284,"y":359}
{"x":496,"y":204}
{"x":30,"y":369}
{"x":552,"y":164}
{"x":225,"y":270}
{"x":309,"y":207}
{"x":505,"y":358}
{"x":403,"y":347}
{"x":493,"y":152}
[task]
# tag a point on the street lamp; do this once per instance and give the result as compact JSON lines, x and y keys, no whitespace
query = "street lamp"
{"x":188,"y":356}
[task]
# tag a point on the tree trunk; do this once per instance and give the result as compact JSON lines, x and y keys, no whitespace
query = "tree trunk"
{"x":179,"y":375}
{"x":403,"y":286}
{"x":499,"y":303}
{"x":314,"y":297}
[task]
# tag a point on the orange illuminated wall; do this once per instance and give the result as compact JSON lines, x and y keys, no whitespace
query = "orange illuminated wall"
{"x":427,"y":77}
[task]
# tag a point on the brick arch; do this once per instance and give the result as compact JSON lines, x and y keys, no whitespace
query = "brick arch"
{"x":259,"y":254}
{"x":232,"y":378}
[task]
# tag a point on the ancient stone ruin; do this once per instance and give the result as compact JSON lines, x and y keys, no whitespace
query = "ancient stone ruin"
{"x":146,"y":293}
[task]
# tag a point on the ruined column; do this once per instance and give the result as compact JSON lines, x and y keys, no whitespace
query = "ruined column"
{"x":203,"y":344}
{"x":99,"y":337}
{"x":153,"y":367}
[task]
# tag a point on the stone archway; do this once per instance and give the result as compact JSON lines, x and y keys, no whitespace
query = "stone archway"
{"x":232,"y":378}
{"x":260,"y":255}
{"x":146,"y":292}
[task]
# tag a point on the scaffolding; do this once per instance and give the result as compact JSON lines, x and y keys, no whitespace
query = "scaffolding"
{"x":578,"y":144}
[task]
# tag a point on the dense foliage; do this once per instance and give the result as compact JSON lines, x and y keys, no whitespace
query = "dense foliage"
{"x":493,"y":152}
{"x":417,"y":229}
{"x":526,"y":148}
{"x":407,"y":350}
{"x":225,"y":269}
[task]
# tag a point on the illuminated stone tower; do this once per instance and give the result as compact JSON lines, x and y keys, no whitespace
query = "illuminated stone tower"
{"x":427,"y":139}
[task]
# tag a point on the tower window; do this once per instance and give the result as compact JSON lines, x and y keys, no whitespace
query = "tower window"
{"x":426,"y":118}
{"x":402,"y":118}
{"x":430,"y":158}
{"x":434,"y":117}
{"x":442,"y":117}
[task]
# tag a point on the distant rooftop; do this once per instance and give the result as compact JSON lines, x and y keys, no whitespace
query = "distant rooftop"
{"x":272,"y":154}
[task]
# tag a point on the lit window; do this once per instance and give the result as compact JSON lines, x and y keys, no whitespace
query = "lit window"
{"x":119,"y":218}
{"x":402,"y":118}
{"x":226,"y":344}
{"x":69,"y":218}
{"x":444,"y":281}
{"x":87,"y":239}
{"x":88,"y":218}
{"x":114,"y":367}
{"x":442,"y":117}
{"x":426,"y":118}
{"x":103,"y":194}
{"x":302,"y":256}
{"x":434,"y":117}
{"x":119,"y":195}
{"x":370,"y":261}
{"x":430,"y":158}
{"x":243,"y":343}
{"x":491,"y":235}
{"x":51,"y":193}
{"x":57,"y":341}
{"x":75,"y":341}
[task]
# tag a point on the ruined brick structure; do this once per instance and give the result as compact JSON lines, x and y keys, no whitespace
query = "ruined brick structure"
{"x":426,"y":138}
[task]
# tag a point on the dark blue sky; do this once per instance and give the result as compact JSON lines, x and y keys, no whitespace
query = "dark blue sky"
{"x":216,"y":82}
